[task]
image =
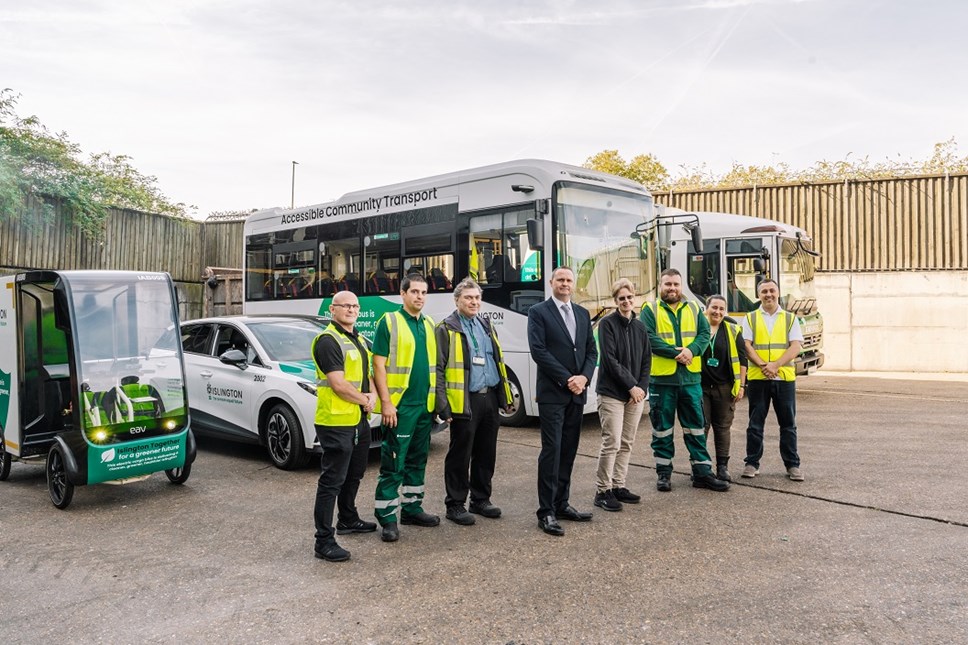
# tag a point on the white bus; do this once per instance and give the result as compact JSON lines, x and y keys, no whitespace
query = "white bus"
{"x":506,"y":225}
{"x":737,"y":252}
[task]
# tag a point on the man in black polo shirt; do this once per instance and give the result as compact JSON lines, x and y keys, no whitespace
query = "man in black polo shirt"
{"x":344,"y":398}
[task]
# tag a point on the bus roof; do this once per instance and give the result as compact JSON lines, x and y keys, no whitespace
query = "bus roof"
{"x":543,"y":171}
{"x":717,"y":225}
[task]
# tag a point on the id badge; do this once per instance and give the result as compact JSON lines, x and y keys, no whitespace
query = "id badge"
{"x":713,"y":362}
{"x":477,"y":360}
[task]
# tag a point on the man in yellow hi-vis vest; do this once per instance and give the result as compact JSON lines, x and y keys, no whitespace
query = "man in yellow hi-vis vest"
{"x":404,"y":372}
{"x":344,"y":398}
{"x":773,"y":340}
{"x":678,"y":334}
{"x":472,"y":386}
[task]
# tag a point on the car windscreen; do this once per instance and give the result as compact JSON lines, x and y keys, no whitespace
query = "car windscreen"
{"x":286,"y":340}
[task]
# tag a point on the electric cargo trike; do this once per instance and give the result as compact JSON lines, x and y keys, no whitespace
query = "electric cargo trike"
{"x":92,"y":381}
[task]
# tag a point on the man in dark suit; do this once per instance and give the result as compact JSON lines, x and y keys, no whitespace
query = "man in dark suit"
{"x":560,"y":337}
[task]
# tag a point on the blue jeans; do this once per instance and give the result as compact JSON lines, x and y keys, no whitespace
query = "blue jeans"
{"x":783,"y":396}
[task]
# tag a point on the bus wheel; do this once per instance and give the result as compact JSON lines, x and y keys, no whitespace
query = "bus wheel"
{"x":179,"y":475}
{"x":60,"y":488}
{"x":517,"y":416}
{"x":5,"y":460}
{"x":284,"y":438}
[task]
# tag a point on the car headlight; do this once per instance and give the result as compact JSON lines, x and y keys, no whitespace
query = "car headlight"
{"x":309,"y":387}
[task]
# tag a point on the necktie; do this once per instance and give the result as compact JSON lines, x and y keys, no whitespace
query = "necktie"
{"x":569,"y":317}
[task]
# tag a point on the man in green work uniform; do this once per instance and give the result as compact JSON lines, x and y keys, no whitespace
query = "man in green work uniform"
{"x":679,"y":334}
{"x":404,"y":373}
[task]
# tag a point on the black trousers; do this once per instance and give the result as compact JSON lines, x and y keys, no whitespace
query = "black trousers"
{"x":473,"y":448}
{"x":342,"y":466}
{"x":560,"y":431}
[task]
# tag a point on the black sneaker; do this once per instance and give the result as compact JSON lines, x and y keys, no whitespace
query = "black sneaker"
{"x":663,"y":484}
{"x":356,"y":526}
{"x":606,"y":501}
{"x":485,"y":509}
{"x":332,"y":553}
{"x":459,"y":515}
{"x":626,"y":496}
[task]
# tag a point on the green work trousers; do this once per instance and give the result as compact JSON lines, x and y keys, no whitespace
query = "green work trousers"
{"x":403,"y":461}
{"x":665,"y":401}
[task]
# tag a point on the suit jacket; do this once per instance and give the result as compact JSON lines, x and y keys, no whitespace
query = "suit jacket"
{"x":557,"y":358}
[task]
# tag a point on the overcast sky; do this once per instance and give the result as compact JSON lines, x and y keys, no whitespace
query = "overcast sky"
{"x":217,"y":98}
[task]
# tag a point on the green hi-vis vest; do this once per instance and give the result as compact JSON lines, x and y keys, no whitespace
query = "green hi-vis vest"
{"x":731,"y":332}
{"x":456,"y":372}
{"x":331,"y":410}
{"x":666,"y":330}
{"x":400,"y":362}
{"x":770,"y":347}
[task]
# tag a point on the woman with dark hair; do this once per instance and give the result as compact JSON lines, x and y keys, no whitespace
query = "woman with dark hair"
{"x":723,"y":378}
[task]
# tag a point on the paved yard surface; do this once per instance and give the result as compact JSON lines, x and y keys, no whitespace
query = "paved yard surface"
{"x":871,"y":548}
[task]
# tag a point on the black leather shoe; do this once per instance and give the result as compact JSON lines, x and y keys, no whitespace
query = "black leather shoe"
{"x":459,"y":515}
{"x":710,"y":482}
{"x":420,"y":519}
{"x":626,"y":496}
{"x":390,"y":532}
{"x":485,"y":509}
{"x":550,"y":525}
{"x":332,"y":553}
{"x":572,"y":514}
{"x":607,"y":502}
{"x":358,"y":526}
{"x":663,"y":484}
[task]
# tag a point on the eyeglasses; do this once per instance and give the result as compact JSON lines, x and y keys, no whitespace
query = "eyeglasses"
{"x":350,"y":307}
{"x":624,"y":298}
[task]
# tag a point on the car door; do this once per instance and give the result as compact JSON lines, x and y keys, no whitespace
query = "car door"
{"x":230,"y":389}
{"x":197,"y":345}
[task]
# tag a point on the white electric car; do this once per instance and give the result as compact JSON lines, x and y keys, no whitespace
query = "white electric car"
{"x":252,"y":379}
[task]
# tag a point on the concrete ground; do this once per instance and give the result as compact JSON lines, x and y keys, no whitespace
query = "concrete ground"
{"x":869,"y":549}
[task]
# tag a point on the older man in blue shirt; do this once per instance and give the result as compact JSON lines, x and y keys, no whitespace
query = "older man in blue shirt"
{"x":472,"y":385}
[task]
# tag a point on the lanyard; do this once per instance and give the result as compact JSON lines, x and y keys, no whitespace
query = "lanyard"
{"x":472,"y":332}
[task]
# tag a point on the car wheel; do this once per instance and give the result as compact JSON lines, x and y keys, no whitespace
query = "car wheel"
{"x":284,"y":439}
{"x":60,"y":488}
{"x":517,"y":416}
{"x":179,"y":475}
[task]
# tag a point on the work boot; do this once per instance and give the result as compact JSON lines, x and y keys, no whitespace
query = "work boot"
{"x":721,"y":471}
{"x":663,"y":484}
{"x":710,"y":482}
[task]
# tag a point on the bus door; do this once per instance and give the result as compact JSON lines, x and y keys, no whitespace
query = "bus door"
{"x":502,"y":261}
{"x":747,"y":261}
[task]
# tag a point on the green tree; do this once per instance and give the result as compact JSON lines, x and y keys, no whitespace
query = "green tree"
{"x":41,"y":168}
{"x":644,"y":169}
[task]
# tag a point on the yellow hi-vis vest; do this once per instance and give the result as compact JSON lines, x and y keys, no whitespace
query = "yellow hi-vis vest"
{"x":688,"y":328}
{"x":770,"y":347}
{"x":400,"y":362}
{"x":455,"y":373}
{"x":331,"y":410}
{"x":731,"y":332}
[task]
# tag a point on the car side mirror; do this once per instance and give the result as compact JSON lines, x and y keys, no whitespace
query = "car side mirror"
{"x":234,"y":357}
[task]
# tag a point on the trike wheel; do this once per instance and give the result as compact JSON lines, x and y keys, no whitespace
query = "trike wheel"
{"x":60,"y":488}
{"x":284,"y":438}
{"x":5,"y":460}
{"x":179,"y":475}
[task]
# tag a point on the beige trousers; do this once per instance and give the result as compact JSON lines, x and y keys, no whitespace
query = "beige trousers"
{"x":620,"y":422}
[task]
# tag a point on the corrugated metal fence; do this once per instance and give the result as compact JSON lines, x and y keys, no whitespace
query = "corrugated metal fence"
{"x":915,"y":223}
